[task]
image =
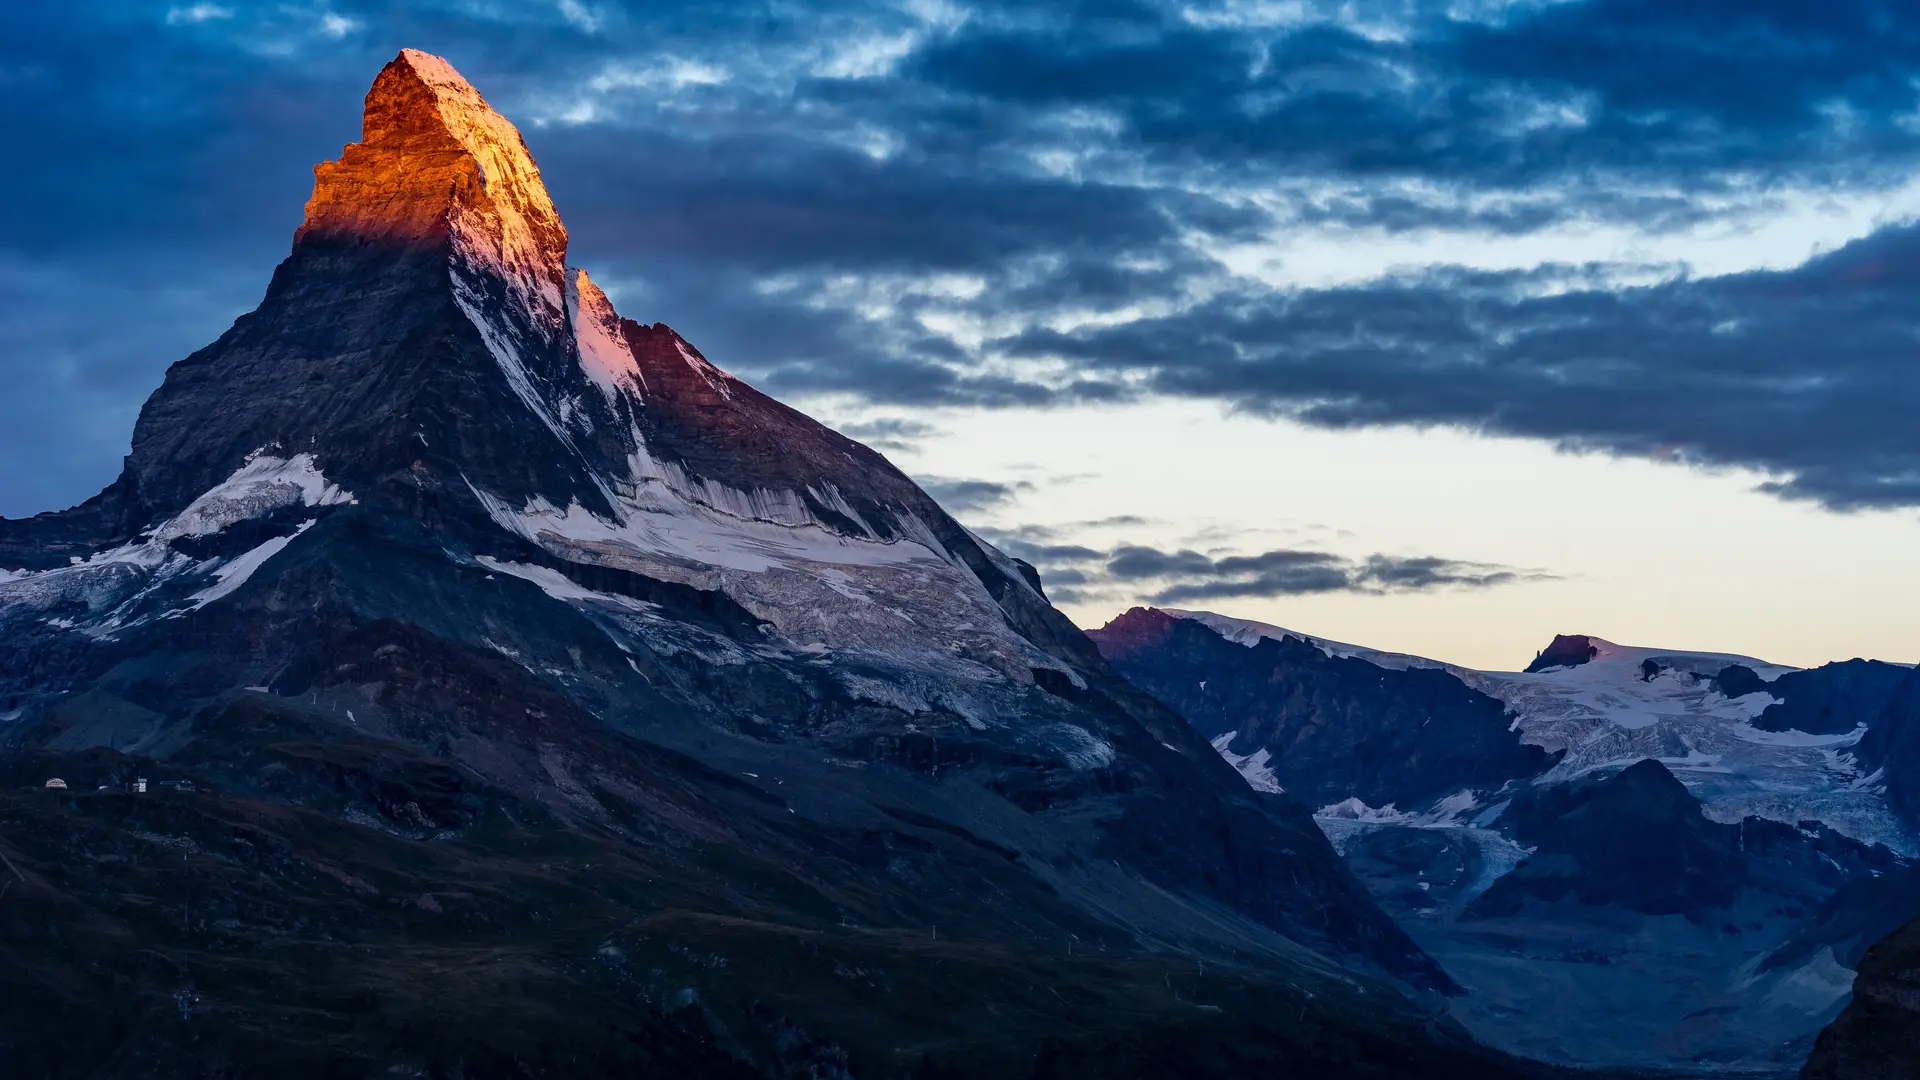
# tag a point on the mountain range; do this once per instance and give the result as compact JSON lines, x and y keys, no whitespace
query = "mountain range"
{"x":1631,"y":857}
{"x":461,"y":679}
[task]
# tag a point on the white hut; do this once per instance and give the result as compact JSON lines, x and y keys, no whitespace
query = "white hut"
{"x":57,"y":783}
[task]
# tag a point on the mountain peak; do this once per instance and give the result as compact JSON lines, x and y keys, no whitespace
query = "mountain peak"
{"x":434,"y":71}
{"x":1566,"y":650}
{"x":436,"y":162}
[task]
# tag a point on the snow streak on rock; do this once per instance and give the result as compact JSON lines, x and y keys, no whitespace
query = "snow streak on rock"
{"x":604,"y":353}
{"x":134,"y":583}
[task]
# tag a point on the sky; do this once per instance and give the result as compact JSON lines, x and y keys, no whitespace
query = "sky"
{"x":1440,"y":327}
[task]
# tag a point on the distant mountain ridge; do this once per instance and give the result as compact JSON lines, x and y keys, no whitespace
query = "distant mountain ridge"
{"x":1326,"y":728}
{"x":1603,"y":706}
{"x":1629,"y":856}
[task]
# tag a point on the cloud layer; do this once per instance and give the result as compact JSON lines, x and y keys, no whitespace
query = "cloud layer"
{"x":1129,"y":573}
{"x":1011,"y":203}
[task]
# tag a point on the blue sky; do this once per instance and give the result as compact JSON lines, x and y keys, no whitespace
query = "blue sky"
{"x":1592,"y":267}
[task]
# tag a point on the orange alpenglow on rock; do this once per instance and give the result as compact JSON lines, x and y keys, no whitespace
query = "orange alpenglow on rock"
{"x":435,"y":162}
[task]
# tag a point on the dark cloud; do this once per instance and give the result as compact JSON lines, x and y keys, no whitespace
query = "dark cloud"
{"x":889,"y":433}
{"x":964,"y":497}
{"x":1132,"y":572}
{"x":1812,"y":374}
{"x":1587,"y":94}
{"x":1188,"y":576}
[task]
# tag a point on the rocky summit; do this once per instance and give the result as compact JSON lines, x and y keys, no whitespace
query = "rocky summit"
{"x":463,"y":680}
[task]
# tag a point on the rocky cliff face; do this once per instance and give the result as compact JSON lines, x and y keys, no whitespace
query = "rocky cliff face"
{"x":517,"y":645}
{"x":1890,"y":748}
{"x":1878,"y":1036}
{"x":1832,"y":699}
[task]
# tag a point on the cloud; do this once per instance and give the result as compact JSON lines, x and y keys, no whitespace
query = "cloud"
{"x":1593,"y":97}
{"x":1191,"y":576}
{"x":1806,"y":374}
{"x":1133,"y":572}
{"x":337,"y":26}
{"x":964,"y":497}
{"x":197,"y":13}
{"x":890,"y":432}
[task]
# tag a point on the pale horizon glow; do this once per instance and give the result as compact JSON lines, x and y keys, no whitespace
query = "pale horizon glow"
{"x":1648,"y":554}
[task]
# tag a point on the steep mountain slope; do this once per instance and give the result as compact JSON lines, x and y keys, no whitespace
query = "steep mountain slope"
{"x":1832,"y":699}
{"x":1889,"y":750}
{"x":1637,"y":840}
{"x":515,"y":650}
{"x":1684,"y":882}
{"x":1878,"y":1036}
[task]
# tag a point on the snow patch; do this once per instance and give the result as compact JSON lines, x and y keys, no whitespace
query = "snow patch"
{"x":235,"y":573}
{"x":718,"y":381}
{"x":560,"y":586}
{"x":665,"y":513}
{"x":130,"y":584}
{"x":604,"y":353}
{"x":1083,"y":751}
{"x":500,"y":345}
{"x":878,"y":692}
{"x":1251,"y":767}
{"x":1445,"y":813}
{"x":264,"y":484}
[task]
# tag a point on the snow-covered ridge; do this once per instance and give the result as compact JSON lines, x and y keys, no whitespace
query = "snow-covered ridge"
{"x":604,"y":353}
{"x":1247,"y":632}
{"x":1450,"y":811}
{"x":1610,"y":712}
{"x":664,"y":513}
{"x":262,"y":485}
{"x":139,"y":581}
{"x":720,"y":382}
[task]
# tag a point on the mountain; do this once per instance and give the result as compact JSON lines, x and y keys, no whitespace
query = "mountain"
{"x":461,"y":679}
{"x":1323,"y":727}
{"x":1601,"y":707}
{"x":1637,"y":839}
{"x":1889,"y":749}
{"x":1627,"y":856}
{"x":1831,"y":699}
